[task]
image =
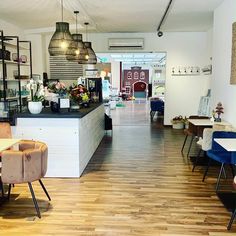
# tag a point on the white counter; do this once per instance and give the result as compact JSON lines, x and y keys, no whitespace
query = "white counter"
{"x":71,"y":141}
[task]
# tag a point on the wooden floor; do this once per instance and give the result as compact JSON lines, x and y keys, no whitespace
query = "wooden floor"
{"x":137,"y":183}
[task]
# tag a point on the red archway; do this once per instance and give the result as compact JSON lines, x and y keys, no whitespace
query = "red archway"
{"x":140,"y":89}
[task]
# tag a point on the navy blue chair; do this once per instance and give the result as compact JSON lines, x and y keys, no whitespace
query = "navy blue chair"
{"x":219,"y":154}
{"x":156,"y":106}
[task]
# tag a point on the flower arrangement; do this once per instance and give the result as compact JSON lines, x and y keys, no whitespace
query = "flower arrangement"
{"x":178,"y":119}
{"x":78,"y":94}
{"x":178,"y":122}
{"x":36,"y":90}
{"x":58,"y":88}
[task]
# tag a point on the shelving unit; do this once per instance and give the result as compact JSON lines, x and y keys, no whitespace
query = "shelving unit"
{"x":11,"y":74}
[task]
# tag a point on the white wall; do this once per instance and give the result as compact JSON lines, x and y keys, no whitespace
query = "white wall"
{"x":11,"y":30}
{"x":222,"y":91}
{"x":38,"y":53}
{"x":115,"y":70}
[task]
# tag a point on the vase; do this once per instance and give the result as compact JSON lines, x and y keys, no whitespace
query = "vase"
{"x":54,"y":107}
{"x":85,"y":104}
{"x":35,"y":107}
{"x":179,"y":125}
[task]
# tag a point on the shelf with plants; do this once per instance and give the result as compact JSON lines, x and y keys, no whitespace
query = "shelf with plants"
{"x":15,"y":70}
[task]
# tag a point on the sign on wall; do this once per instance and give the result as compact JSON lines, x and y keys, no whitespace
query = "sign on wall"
{"x":233,"y":60}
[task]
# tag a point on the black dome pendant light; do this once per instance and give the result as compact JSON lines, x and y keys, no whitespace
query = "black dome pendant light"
{"x":80,"y":52}
{"x":61,"y":42}
{"x":91,"y":56}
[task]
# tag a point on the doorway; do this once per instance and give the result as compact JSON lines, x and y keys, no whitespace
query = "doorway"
{"x":140,"y":89}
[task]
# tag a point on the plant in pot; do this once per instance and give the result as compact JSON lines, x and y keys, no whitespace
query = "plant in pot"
{"x":79,"y":96}
{"x":178,"y":122}
{"x":37,"y":96}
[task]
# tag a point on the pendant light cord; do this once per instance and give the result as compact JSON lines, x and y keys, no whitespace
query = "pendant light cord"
{"x":86,"y":30}
{"x":76,"y":23}
{"x":62,"y":10}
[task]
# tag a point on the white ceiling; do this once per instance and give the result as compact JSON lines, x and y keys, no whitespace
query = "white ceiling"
{"x":111,"y":15}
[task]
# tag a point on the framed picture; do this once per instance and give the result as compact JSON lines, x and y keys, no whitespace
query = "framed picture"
{"x":233,"y":60}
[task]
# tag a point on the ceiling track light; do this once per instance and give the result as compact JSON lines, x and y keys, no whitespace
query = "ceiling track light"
{"x":80,"y":52}
{"x":61,"y":42}
{"x":159,"y":32}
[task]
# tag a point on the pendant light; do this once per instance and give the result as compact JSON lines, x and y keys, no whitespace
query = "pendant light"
{"x":80,"y":51}
{"x":61,"y":42}
{"x":91,"y":56}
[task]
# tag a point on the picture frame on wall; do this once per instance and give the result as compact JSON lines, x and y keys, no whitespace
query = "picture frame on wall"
{"x":233,"y":59}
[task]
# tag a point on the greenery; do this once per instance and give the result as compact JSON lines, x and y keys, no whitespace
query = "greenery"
{"x":36,"y":91}
{"x":58,"y":88}
{"x":78,"y":94}
{"x":178,"y":119}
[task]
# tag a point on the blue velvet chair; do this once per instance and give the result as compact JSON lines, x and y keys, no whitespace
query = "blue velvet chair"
{"x":156,"y":106}
{"x":219,"y":154}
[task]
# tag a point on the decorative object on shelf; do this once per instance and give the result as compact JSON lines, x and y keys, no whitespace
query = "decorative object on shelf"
{"x":91,"y":56}
{"x":80,"y":52}
{"x":62,"y":42}
{"x":22,"y":58}
{"x":219,"y":110}
{"x":207,"y":70}
{"x":5,"y":54}
{"x":185,"y":70}
{"x":178,"y":122}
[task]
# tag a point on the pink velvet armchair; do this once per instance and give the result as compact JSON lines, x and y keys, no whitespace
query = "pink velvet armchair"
{"x":25,"y":166}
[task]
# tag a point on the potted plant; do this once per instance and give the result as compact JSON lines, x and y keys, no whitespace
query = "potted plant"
{"x":219,"y":110}
{"x":79,"y":96}
{"x":37,"y":96}
{"x":178,"y":122}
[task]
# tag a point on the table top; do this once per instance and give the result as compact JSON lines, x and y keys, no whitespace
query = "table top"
{"x":229,"y":144}
{"x":6,"y":143}
{"x":206,"y":122}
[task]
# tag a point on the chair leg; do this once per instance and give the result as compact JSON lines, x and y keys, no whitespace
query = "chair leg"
{"x":196,"y":160}
{"x":186,"y":137}
{"x":190,"y":145}
{"x":206,"y":171}
{"x":232,"y":169}
{"x":44,"y":189}
{"x":219,"y":176}
{"x":2,"y":188}
{"x":34,"y":200}
{"x":224,"y":172}
{"x":231,"y":220}
{"x":9,"y":192}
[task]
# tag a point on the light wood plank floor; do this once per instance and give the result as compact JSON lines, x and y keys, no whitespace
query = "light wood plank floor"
{"x":137,"y":183}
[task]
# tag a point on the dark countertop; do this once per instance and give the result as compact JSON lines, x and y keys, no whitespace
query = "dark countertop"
{"x":47,"y":113}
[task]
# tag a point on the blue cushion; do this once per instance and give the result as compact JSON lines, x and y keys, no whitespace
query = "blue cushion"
{"x":157,"y":105}
{"x":223,"y":157}
{"x":218,"y":153}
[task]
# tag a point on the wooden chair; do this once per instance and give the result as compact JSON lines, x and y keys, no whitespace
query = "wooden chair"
{"x":192,"y":132}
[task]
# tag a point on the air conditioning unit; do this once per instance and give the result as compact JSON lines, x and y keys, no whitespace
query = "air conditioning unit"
{"x":125,"y":43}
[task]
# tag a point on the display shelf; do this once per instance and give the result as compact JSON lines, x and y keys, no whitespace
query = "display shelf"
{"x":13,"y":72}
{"x":15,"y":63}
{"x":11,"y":45}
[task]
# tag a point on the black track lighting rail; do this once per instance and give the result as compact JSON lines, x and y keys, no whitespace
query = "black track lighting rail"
{"x":159,"y":32}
